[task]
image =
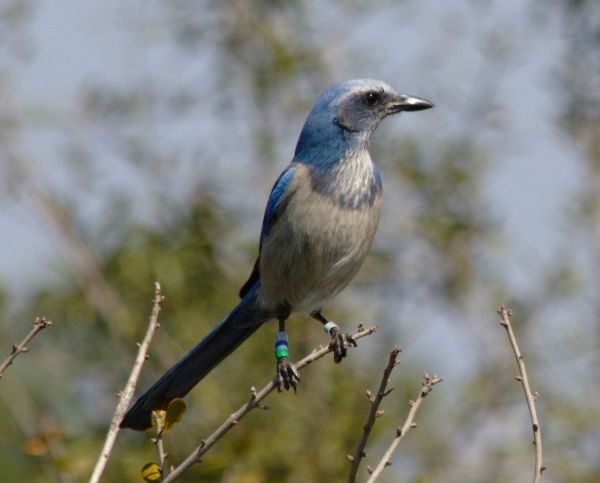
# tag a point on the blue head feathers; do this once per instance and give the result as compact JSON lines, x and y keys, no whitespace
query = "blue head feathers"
{"x":345,"y":116}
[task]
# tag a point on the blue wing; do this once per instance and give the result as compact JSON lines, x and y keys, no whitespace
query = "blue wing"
{"x":278,"y":194}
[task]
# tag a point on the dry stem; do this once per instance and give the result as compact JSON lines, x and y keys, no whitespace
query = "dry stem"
{"x":127,"y":393}
{"x":409,"y":423}
{"x":162,"y":455}
{"x":374,"y":413}
{"x":40,"y":324}
{"x":505,"y":315}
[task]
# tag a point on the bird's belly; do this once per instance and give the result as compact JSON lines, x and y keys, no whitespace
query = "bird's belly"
{"x":313,"y":252}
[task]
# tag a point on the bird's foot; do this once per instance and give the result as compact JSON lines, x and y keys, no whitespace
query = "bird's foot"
{"x":339,"y":341}
{"x":287,"y":375}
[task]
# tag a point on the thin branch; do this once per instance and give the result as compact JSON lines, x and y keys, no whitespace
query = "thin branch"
{"x":255,"y":398}
{"x":409,"y":423}
{"x":162,"y":455}
{"x":374,"y":413}
{"x":505,"y":315}
{"x":127,"y":393}
{"x":40,"y":324}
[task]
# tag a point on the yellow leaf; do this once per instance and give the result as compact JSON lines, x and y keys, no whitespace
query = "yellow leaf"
{"x":37,"y":446}
{"x":151,"y":472}
{"x":175,"y":412}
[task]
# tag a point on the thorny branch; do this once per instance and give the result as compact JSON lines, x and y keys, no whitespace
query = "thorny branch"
{"x":255,"y":399}
{"x":505,"y":315}
{"x":374,"y":413}
{"x":127,"y":393}
{"x":40,"y":324}
{"x":409,"y":423}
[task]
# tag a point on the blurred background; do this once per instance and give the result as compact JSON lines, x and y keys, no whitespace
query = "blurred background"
{"x":139,"y":141}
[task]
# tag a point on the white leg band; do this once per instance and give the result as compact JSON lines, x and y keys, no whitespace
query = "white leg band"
{"x":329,"y":327}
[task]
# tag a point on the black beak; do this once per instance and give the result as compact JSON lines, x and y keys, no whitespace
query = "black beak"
{"x":408,"y":103}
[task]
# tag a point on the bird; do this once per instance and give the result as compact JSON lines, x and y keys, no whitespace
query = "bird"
{"x":318,"y":225}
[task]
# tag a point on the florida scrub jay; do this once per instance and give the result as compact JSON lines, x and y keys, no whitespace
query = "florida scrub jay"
{"x":318,"y":226}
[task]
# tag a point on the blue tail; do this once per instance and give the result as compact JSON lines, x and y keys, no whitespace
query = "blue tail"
{"x":240,"y":324}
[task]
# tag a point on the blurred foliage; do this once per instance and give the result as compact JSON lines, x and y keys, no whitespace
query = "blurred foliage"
{"x":162,"y":220}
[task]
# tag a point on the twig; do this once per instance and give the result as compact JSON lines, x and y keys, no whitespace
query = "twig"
{"x":409,"y":423}
{"x":127,"y":393}
{"x":39,"y":324}
{"x":162,"y":456}
{"x":255,"y":398}
{"x":374,"y":413}
{"x":505,"y":315}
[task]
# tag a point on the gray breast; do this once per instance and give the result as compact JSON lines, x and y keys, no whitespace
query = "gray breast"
{"x":319,"y":243}
{"x":353,"y":183}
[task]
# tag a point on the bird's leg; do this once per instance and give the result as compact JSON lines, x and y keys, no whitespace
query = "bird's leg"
{"x":339,"y":342}
{"x":287,"y":375}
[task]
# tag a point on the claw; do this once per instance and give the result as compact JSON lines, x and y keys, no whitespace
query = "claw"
{"x":339,"y":345}
{"x":351,"y":340}
{"x":287,"y":375}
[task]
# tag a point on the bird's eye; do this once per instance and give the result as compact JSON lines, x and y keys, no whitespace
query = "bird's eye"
{"x":372,"y":98}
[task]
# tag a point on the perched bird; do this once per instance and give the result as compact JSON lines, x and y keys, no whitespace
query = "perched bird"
{"x":319,"y":223}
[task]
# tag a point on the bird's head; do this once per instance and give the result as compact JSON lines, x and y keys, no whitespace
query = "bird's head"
{"x":353,"y":109}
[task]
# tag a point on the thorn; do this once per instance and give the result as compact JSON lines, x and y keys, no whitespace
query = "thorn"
{"x":25,"y":349}
{"x":398,"y":432}
{"x":413,"y":425}
{"x":411,"y":403}
{"x":387,"y":392}
{"x":235,"y":422}
{"x":536,"y":395}
{"x":388,"y":463}
{"x":146,"y":357}
{"x":369,"y":469}
{"x":542,"y":469}
{"x":518,"y":378}
{"x":138,"y":344}
{"x":350,"y":458}
{"x":379,"y":413}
